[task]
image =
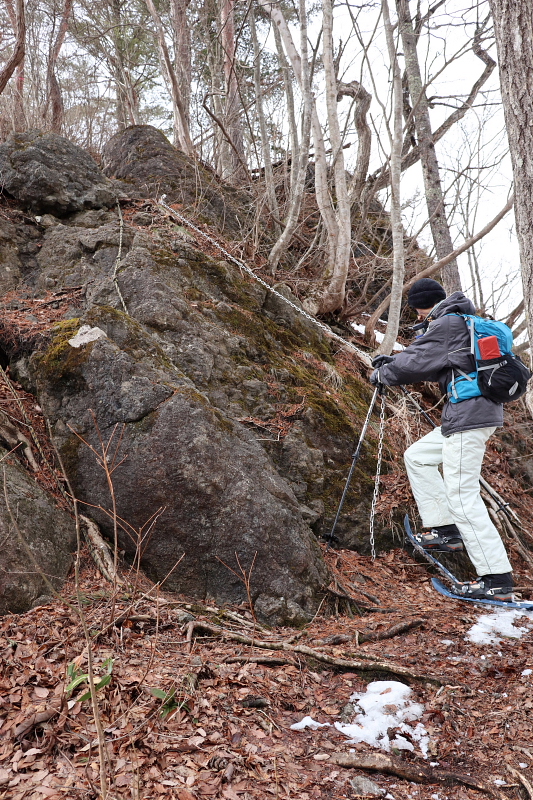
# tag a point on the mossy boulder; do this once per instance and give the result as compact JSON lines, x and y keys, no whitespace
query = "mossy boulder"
{"x":214,"y":490}
{"x":145,"y":163}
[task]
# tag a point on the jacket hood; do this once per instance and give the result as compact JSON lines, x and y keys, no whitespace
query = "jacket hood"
{"x":456,"y":303}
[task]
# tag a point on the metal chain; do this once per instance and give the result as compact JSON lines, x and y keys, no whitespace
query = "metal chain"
{"x":378,"y":472}
{"x":249,"y":271}
{"x":119,"y":257}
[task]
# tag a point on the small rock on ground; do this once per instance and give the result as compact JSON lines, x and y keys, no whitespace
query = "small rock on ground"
{"x":365,"y":787}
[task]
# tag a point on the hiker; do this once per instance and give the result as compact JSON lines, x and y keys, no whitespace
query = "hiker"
{"x":450,"y":505}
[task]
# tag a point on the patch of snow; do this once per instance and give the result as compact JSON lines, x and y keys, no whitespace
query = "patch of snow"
{"x":522,"y":765}
{"x":526,"y":672}
{"x":499,"y":782}
{"x":384,"y":705}
{"x":379,"y":336}
{"x":85,"y":335}
{"x":490,"y":627}
{"x":446,"y":641}
{"x":309,"y":722}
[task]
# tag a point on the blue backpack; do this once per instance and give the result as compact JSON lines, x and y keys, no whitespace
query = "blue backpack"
{"x":498,"y":373}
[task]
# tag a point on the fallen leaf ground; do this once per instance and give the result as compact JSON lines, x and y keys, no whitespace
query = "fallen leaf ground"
{"x":211,"y":717}
{"x":205,"y":720}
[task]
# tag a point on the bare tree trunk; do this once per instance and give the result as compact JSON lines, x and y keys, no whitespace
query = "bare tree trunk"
{"x":17,"y":57}
{"x":265,"y":146}
{"x":235,"y":156}
{"x":54,"y":96}
{"x":289,"y":96}
{"x":18,"y":117}
{"x":321,"y":169}
{"x":396,"y":142}
{"x":126,"y":97}
{"x":430,"y":167}
{"x":181,"y":127}
{"x":333,"y":296}
{"x":362,"y":99}
{"x":300,"y":155}
{"x":182,"y":49}
{"x":513,"y":25}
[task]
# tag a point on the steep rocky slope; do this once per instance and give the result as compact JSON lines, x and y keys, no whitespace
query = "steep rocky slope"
{"x":232,"y":417}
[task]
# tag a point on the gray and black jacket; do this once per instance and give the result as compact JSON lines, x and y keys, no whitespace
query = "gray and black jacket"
{"x":431,"y":357}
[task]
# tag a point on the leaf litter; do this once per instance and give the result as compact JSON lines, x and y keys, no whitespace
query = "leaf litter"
{"x":212,"y":718}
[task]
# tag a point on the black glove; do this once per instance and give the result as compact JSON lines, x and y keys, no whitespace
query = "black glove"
{"x":378,"y":361}
{"x":374,"y":378}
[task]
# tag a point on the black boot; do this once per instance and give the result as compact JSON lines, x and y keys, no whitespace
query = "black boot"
{"x":488,"y":587}
{"x":441,"y":539}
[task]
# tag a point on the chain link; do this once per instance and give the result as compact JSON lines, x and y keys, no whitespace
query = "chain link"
{"x":378,"y":472}
{"x":249,"y":271}
{"x":119,"y":257}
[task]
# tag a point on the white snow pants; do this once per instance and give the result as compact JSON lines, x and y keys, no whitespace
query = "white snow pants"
{"x":457,"y":498}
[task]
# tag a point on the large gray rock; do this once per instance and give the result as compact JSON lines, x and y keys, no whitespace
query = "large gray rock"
{"x":37,"y":541}
{"x":147,"y":165}
{"x":49,"y":174}
{"x":218,"y":492}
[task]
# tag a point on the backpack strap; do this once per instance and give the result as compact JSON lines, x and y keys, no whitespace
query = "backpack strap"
{"x":470,"y":324}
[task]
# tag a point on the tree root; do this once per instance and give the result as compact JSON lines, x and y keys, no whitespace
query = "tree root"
{"x":389,"y":633}
{"x":301,"y":649}
{"x":523,"y":780}
{"x":411,"y":771}
{"x":100,"y":551}
{"x":347,"y":598}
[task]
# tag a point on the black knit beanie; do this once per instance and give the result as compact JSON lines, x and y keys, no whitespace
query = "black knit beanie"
{"x":425,"y":293}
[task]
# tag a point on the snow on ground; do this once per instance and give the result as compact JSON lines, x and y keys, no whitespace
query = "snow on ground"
{"x":384,"y":705}
{"x":490,"y":628}
{"x":308,"y":722}
{"x":379,"y":336}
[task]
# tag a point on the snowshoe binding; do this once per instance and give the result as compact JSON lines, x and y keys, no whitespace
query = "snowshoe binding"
{"x":488,"y":587}
{"x":444,"y":539}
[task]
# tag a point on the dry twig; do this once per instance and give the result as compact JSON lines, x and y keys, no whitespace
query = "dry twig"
{"x":317,"y":655}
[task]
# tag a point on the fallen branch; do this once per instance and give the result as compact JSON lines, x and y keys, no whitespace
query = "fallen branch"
{"x":411,"y":771}
{"x":266,"y":661}
{"x":301,"y":649}
{"x":389,"y":633}
{"x":438,"y":265}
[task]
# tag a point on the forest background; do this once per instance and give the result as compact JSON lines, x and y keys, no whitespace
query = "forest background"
{"x":363,"y":106}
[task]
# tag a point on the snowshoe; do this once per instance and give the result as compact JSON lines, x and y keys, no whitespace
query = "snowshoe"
{"x":441,"y":589}
{"x":446,"y":539}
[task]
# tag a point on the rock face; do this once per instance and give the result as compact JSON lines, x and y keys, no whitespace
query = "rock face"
{"x":37,"y":540}
{"x":147,"y":165}
{"x":222,"y":404}
{"x":48,"y":174}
